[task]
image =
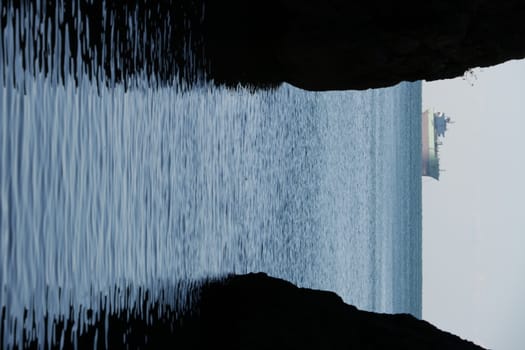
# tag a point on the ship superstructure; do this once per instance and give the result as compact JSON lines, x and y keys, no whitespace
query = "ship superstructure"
{"x":433,"y":128}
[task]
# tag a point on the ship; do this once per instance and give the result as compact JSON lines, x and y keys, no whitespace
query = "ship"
{"x":433,"y":128}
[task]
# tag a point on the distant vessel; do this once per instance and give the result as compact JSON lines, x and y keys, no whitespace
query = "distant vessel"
{"x":433,"y":128}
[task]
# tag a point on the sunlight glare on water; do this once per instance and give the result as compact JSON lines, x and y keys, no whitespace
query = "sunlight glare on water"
{"x":137,"y":183}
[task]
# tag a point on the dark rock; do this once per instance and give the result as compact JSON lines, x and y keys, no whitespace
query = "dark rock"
{"x":249,"y":312}
{"x":256,"y":311}
{"x":312,"y":44}
{"x":337,"y":44}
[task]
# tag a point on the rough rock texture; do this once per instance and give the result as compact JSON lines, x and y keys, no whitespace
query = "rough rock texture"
{"x":313,"y":44}
{"x":340,"y":44}
{"x":248,"y":312}
{"x":259,"y":312}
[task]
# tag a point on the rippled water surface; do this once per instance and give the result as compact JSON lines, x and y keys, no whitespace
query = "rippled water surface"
{"x":108,"y":185}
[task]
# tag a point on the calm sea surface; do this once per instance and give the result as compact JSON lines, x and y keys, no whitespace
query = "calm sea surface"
{"x":104,"y":187}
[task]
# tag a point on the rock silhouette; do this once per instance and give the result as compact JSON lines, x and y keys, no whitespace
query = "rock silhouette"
{"x":256,"y":311}
{"x":252,"y":311}
{"x":314,"y":45}
{"x":337,"y":44}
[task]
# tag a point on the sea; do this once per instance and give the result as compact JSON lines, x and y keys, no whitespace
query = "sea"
{"x":144,"y":186}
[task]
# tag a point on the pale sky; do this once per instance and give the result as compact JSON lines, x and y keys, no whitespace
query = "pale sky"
{"x":474,"y":217}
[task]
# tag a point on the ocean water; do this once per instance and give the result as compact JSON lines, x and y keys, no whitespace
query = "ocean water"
{"x":158,"y":186}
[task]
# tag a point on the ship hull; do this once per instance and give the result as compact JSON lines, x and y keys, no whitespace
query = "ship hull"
{"x":429,"y":158}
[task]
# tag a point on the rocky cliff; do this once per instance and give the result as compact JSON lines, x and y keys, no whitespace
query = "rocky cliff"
{"x":338,"y":44}
{"x":256,"y":311}
{"x":312,"y":44}
{"x":249,"y":312}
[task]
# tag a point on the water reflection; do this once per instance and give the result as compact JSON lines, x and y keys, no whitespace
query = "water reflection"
{"x":117,"y":176}
{"x":109,"y":182}
{"x":111,"y":40}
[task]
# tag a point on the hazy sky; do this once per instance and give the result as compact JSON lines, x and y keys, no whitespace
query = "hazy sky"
{"x":474,"y":217}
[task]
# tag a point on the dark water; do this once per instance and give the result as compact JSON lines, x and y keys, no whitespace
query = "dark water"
{"x":118,"y":177}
